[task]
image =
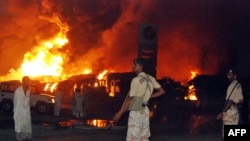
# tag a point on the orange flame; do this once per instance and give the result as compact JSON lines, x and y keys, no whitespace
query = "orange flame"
{"x":102,"y":74}
{"x":98,"y":123}
{"x":193,"y":74}
{"x":101,"y":79}
{"x":45,"y":59}
{"x":191,"y":89}
{"x":87,"y":71}
{"x":53,"y":87}
{"x":46,"y":87}
{"x":50,"y":86}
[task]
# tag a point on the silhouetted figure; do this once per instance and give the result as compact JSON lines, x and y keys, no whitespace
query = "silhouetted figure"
{"x":230,"y":114}
{"x":58,"y":101}
{"x":78,"y":98}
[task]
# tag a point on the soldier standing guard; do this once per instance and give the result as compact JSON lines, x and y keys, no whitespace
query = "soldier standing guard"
{"x":230,"y":114}
{"x":141,"y":85}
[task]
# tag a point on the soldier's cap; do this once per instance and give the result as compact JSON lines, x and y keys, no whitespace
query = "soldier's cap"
{"x":233,"y":71}
{"x":140,"y":61}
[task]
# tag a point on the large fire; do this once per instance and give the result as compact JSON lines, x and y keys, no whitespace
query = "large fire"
{"x":45,"y":60}
{"x":191,"y":89}
{"x":48,"y":58}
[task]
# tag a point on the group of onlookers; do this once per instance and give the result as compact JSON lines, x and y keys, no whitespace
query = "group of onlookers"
{"x":78,"y":103}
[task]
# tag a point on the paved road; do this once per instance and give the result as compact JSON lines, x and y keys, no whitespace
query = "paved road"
{"x":83,"y":133}
{"x":184,"y":127}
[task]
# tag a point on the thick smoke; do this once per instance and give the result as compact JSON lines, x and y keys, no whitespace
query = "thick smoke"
{"x":103,"y":34}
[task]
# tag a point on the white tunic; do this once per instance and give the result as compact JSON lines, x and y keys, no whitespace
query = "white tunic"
{"x":22,"y":116}
{"x":236,"y":93}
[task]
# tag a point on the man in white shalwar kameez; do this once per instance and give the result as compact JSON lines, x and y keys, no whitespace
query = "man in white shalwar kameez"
{"x":22,"y":116}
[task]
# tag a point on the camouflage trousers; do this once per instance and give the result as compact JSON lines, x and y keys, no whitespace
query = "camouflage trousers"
{"x":230,"y":117}
{"x":138,"y":125}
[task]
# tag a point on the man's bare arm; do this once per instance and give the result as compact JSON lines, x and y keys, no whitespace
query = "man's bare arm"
{"x":227,"y":106}
{"x":123,"y":109}
{"x":160,"y":91}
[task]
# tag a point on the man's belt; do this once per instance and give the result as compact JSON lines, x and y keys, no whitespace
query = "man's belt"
{"x":144,"y":104}
{"x":238,"y":105}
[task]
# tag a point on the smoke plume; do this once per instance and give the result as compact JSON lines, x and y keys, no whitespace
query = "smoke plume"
{"x":103,"y":34}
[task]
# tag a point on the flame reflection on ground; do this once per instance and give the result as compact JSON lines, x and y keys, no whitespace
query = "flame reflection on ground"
{"x":95,"y":123}
{"x":100,"y":123}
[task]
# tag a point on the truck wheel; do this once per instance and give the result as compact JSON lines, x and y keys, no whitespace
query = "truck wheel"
{"x":42,"y":108}
{"x":7,"y":106}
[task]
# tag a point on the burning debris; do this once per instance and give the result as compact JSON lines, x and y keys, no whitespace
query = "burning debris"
{"x":191,"y":88}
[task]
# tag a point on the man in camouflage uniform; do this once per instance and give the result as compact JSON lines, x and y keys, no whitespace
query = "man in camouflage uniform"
{"x":230,"y":114}
{"x":141,"y":85}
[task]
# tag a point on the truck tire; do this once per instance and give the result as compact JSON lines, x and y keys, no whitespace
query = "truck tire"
{"x":42,"y":108}
{"x":7,"y":105}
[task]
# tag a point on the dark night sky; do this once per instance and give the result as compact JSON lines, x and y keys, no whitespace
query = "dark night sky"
{"x":204,"y":35}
